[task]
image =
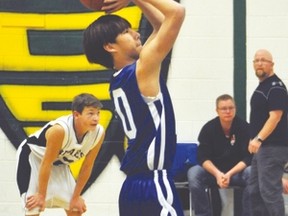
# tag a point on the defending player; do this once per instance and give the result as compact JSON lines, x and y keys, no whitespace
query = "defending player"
{"x":43,"y":175}
{"x":143,"y":103}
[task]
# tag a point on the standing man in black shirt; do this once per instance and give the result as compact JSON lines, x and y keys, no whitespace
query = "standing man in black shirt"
{"x":222,"y":155}
{"x":269,"y":138}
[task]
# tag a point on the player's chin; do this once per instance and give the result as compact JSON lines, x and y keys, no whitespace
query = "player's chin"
{"x":139,"y":48}
{"x":136,"y":53}
{"x":92,"y":127}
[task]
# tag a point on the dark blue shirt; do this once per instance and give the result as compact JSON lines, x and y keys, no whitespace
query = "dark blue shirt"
{"x":271,"y":94}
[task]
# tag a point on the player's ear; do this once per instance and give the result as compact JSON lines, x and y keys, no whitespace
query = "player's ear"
{"x":109,"y":47}
{"x":76,"y":114}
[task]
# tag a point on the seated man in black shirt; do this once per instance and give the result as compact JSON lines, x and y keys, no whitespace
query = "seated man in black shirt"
{"x":222,"y":155}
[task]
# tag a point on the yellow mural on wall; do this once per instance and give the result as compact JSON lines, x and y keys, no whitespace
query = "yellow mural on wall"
{"x":26,"y":101}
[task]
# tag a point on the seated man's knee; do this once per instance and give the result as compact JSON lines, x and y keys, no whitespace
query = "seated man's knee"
{"x":194,"y":175}
{"x":246,"y":174}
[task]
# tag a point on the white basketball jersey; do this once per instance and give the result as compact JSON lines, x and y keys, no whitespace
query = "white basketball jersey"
{"x":71,"y":150}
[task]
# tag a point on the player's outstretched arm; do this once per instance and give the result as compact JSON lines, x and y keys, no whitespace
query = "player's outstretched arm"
{"x":77,"y":203}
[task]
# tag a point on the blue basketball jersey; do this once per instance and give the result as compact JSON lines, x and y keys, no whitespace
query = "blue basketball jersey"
{"x":149,"y":124}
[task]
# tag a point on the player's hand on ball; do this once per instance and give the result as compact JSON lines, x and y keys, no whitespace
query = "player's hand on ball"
{"x":111,"y":6}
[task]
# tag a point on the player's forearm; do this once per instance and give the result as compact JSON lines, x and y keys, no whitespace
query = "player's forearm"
{"x":168,"y":9}
{"x":86,"y":168}
{"x":154,"y":16}
{"x":44,"y":174}
{"x":84,"y":175}
{"x":163,"y":37}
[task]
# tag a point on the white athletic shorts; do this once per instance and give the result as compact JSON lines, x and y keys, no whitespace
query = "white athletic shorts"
{"x":60,"y":186}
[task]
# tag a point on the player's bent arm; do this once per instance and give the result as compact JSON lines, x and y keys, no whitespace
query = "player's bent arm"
{"x":86,"y":168}
{"x":159,"y":43}
{"x":154,"y":15}
{"x":54,"y":137}
{"x":167,"y":22}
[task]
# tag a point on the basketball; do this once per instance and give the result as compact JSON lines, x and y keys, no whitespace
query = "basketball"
{"x":94,"y":5}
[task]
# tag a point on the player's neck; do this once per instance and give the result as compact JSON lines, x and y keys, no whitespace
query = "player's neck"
{"x":79,"y":132}
{"x":120,"y":63}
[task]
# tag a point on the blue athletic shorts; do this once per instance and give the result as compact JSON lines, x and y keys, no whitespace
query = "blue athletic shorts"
{"x":152,"y":193}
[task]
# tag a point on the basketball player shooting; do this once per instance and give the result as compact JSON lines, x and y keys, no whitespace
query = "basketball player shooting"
{"x":143,"y":103}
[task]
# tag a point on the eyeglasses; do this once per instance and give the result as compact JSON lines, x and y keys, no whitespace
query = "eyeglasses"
{"x":225,"y":109}
{"x":262,"y":60}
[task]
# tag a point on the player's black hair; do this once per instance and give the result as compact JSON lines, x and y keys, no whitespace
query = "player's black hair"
{"x":102,"y":31}
{"x":85,"y":100}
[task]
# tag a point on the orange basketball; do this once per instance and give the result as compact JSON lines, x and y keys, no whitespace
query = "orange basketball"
{"x":95,"y":5}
